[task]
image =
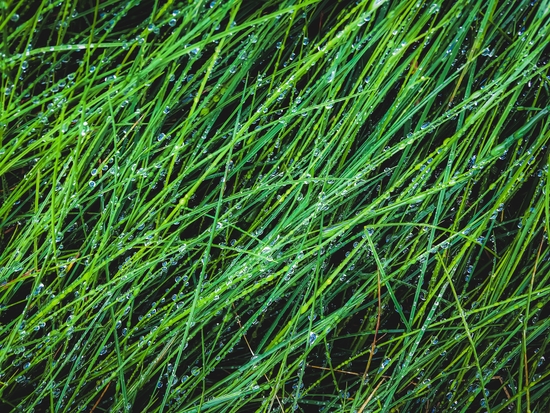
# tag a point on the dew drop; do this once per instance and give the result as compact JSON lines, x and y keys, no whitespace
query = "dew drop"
{"x":312,"y":337}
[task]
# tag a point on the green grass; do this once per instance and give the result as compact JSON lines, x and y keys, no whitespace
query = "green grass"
{"x":293,"y":205}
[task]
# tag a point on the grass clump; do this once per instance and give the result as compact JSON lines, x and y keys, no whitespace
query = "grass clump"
{"x":274,"y":206}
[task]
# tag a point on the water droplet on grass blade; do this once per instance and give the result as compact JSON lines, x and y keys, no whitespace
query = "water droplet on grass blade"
{"x":312,"y":337}
{"x":384,"y":364}
{"x":434,"y":8}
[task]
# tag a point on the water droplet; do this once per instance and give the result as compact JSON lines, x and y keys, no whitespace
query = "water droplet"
{"x":312,"y":337}
{"x":195,"y":371}
{"x":14,"y":17}
{"x":434,"y":8}
{"x":38,"y":289}
{"x":384,"y":364}
{"x":91,"y":184}
{"x":305,"y":42}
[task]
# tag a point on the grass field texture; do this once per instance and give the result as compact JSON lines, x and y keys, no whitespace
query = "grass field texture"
{"x":274,"y":206}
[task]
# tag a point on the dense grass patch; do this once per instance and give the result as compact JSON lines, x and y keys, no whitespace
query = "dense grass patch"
{"x":292,"y":205}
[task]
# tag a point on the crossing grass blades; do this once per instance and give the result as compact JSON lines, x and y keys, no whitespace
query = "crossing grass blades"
{"x":292,"y":205}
